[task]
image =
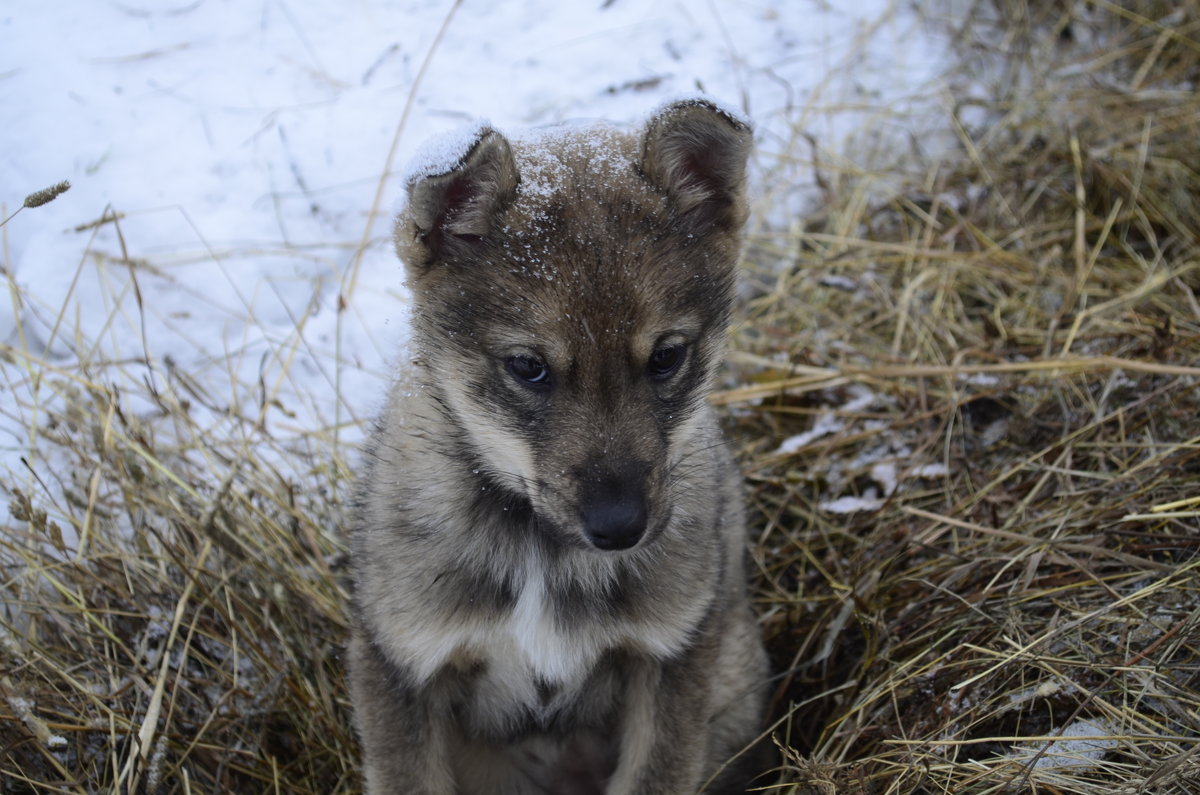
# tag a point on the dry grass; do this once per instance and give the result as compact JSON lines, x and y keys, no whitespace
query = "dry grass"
{"x":996,"y":365}
{"x":189,"y":640}
{"x":173,"y":604}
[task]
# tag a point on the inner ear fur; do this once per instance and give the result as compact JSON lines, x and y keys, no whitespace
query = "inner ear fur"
{"x":448,"y":212}
{"x":697,"y":154}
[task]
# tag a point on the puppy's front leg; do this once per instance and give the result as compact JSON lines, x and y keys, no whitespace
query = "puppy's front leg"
{"x":404,"y":736}
{"x":663,"y":721}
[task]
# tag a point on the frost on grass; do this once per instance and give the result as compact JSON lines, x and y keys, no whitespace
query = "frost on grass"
{"x":23,"y":709}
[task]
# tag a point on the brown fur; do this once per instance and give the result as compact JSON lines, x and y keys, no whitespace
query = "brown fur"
{"x":550,"y":592}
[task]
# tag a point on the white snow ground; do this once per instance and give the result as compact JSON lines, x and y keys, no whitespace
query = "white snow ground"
{"x":243,"y":144}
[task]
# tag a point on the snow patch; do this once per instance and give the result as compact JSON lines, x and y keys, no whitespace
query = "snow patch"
{"x":827,"y":422}
{"x":884,"y":473}
{"x":844,"y":505}
{"x":838,"y":282}
{"x":931,"y":471}
{"x":1081,"y":744}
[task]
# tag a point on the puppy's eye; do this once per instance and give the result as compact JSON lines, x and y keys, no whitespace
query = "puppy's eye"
{"x":666,"y":360}
{"x":529,"y":370}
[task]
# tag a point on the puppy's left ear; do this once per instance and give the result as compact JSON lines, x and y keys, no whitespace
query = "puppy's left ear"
{"x":696,"y":153}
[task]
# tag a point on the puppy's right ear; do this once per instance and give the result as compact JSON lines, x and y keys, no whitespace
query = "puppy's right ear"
{"x":454,"y":196}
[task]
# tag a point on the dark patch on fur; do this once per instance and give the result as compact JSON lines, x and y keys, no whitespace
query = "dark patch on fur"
{"x":546,"y":691}
{"x":574,"y":604}
{"x":472,"y":589}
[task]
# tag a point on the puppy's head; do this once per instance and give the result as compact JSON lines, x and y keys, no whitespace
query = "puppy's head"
{"x":571,"y":296}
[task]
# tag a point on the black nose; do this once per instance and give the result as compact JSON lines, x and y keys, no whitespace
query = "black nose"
{"x":614,"y":515}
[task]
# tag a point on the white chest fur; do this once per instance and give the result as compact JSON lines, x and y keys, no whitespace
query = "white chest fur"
{"x":528,"y":647}
{"x":524,"y":646}
{"x":550,"y":653}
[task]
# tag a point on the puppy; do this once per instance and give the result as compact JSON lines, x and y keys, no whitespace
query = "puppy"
{"x":548,"y":542}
